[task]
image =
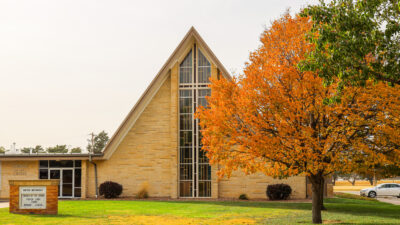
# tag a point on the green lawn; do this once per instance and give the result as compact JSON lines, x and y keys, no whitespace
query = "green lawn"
{"x":340,"y":210}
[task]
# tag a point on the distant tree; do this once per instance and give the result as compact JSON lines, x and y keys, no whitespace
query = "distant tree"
{"x":351,"y":178}
{"x":36,"y":149}
{"x":25,"y":150}
{"x":58,"y":149}
{"x":2,"y":149}
{"x":76,"y":150}
{"x":335,"y":176}
{"x":100,"y":140}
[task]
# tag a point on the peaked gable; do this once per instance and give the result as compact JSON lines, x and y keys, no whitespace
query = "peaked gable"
{"x":191,"y":36}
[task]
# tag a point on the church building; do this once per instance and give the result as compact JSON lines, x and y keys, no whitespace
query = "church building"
{"x":156,"y":146}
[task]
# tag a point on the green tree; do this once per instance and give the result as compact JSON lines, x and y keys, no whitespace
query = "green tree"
{"x":2,"y":150}
{"x":355,"y":40}
{"x":76,"y":150}
{"x":25,"y":150}
{"x":100,"y":140}
{"x":39,"y":149}
{"x":58,"y":149}
{"x":36,"y":149}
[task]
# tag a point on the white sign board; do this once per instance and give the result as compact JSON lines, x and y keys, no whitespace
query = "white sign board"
{"x":32,"y":197}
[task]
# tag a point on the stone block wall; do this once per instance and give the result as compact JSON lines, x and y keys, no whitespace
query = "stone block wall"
{"x":145,"y":155}
{"x":255,"y":185}
{"x":17,"y":170}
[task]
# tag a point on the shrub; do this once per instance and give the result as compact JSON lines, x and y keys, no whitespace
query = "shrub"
{"x":243,"y":197}
{"x":278,"y":191}
{"x":143,"y":193}
{"x":110,"y":189}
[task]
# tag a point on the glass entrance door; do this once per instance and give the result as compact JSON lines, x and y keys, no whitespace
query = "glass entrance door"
{"x":66,"y":186}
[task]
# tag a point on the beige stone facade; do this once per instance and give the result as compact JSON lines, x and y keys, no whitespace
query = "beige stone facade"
{"x":17,"y":170}
{"x":144,"y":150}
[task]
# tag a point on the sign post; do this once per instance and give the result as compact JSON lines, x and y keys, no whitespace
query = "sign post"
{"x":34,"y":196}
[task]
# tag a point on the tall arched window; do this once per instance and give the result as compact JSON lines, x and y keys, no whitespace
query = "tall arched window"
{"x":194,"y":168}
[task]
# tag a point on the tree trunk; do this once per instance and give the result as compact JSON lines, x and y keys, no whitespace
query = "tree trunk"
{"x":371,"y":180}
{"x":317,"y":182}
{"x":322,"y":194}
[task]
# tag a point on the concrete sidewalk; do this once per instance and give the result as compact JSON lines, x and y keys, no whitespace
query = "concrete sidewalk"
{"x":4,"y":204}
{"x":391,"y":200}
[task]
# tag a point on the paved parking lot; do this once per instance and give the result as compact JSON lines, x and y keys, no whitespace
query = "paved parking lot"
{"x":392,"y":200}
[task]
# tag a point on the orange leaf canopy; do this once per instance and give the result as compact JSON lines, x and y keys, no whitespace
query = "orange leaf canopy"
{"x":276,"y":119}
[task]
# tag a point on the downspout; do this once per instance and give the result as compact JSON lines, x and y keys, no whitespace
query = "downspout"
{"x":95,"y":175}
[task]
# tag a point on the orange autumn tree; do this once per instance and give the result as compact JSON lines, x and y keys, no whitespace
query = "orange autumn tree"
{"x":278,"y":120}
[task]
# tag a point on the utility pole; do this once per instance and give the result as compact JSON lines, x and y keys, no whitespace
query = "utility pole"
{"x":91,"y":152}
{"x":92,"y":135}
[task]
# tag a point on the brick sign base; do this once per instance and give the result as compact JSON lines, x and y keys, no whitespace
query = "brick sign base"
{"x":38,"y":187}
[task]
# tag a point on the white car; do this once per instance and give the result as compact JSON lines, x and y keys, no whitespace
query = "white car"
{"x":388,"y":189}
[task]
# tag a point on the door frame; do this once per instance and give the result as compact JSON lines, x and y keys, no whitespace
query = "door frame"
{"x":60,"y":186}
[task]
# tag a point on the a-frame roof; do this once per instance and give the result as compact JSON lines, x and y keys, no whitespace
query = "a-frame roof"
{"x":138,"y":108}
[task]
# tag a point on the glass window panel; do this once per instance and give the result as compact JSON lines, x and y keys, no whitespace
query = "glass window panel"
{"x":185,"y":105}
{"x":185,"y":188}
{"x":202,"y":96}
{"x":78,"y":175}
{"x":204,"y":74}
{"x":185,"y":155}
{"x":186,"y":122}
{"x":203,"y":102}
{"x":67,"y":176}
{"x":185,"y":93}
{"x":185,"y":172}
{"x":204,"y":92}
{"x":204,"y":69}
{"x":204,"y":188}
{"x":77,"y":192}
{"x":78,"y":163}
{"x":187,"y":62}
{"x":185,"y":75}
{"x":54,"y":174}
{"x":203,"y":60}
{"x":44,"y":174}
{"x":44,"y":164}
{"x":62,"y":163}
{"x":186,"y":138}
{"x":202,"y":157}
{"x":67,"y":190}
{"x":204,"y":172}
{"x":185,"y":69}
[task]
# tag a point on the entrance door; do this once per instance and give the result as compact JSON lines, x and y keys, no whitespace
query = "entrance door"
{"x":66,"y":177}
{"x":67,"y":183}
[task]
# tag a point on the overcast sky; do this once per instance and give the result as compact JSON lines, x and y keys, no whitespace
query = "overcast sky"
{"x":68,"y":68}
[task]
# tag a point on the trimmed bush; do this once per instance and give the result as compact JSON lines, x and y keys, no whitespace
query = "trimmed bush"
{"x":143,"y":193}
{"x":110,"y":189}
{"x":243,"y":197}
{"x":278,"y":191}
